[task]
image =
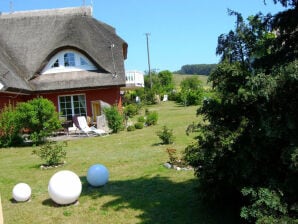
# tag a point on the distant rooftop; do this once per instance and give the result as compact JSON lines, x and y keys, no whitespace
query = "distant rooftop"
{"x":84,"y":11}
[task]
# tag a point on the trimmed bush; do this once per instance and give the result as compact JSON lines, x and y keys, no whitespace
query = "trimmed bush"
{"x":115,"y":119}
{"x":139,"y":125}
{"x":141,"y":119}
{"x":152,"y":118}
{"x":131,"y":128}
{"x":40,"y":117}
{"x":131,"y":110}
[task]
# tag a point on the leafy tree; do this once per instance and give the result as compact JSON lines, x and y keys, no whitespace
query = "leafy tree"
{"x":249,"y":146}
{"x":199,"y":69}
{"x":166,"y":81}
{"x":162,"y":83}
{"x":40,"y":117}
{"x":191,"y":92}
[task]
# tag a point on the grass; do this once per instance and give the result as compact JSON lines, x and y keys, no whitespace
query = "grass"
{"x":140,"y":189}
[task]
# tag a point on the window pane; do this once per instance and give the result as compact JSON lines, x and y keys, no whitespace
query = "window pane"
{"x":72,"y":105}
{"x":69,"y":59}
{"x":55,"y":64}
{"x":83,"y":61}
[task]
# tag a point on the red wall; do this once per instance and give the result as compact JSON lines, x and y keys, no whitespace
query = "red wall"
{"x":12,"y":99}
{"x":110,"y":95}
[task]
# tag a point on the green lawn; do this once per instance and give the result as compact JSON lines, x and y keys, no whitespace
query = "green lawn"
{"x":140,"y":189}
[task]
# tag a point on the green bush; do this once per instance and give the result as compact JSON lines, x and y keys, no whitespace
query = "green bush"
{"x":40,"y":117}
{"x":131,"y":110}
{"x":141,"y":119}
{"x":152,"y":118}
{"x":131,"y":128}
{"x":139,"y":125}
{"x":166,"y":135}
{"x":9,"y":127}
{"x":115,"y":119}
{"x":52,"y":153}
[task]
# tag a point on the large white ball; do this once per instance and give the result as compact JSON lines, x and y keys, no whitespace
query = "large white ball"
{"x":97,"y":175}
{"x":65,"y":187}
{"x":21,"y":192}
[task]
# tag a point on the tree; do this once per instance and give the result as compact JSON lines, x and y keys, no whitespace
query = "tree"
{"x":39,"y":116}
{"x":166,"y":81}
{"x":191,"y":92}
{"x":249,"y":146}
{"x":162,"y":83}
{"x":199,"y":69}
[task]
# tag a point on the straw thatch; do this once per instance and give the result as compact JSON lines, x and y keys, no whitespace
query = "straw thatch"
{"x":29,"y":39}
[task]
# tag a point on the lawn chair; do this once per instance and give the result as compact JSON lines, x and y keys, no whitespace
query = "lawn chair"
{"x":81,"y":123}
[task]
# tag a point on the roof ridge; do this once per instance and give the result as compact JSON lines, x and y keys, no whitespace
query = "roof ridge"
{"x":83,"y":10}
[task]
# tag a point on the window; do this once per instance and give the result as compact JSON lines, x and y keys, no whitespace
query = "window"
{"x":72,"y":105}
{"x":55,"y":64}
{"x":67,"y":61}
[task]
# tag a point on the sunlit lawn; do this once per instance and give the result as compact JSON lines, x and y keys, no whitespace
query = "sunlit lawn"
{"x":140,"y":189}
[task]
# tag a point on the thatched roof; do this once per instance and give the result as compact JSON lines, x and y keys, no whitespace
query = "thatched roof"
{"x":29,"y":39}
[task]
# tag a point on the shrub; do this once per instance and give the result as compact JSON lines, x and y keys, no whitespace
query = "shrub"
{"x":131,"y":110}
{"x":139,"y":125}
{"x":152,"y":118}
{"x":40,"y":117}
{"x":9,"y":127}
{"x":52,"y":153}
{"x":115,"y":119}
{"x":166,"y":135}
{"x":141,"y":119}
{"x":131,"y":128}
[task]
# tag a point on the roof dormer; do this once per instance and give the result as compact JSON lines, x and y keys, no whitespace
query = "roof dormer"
{"x":68,"y":61}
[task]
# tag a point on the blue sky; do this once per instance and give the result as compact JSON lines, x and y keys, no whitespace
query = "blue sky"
{"x":181,"y":31}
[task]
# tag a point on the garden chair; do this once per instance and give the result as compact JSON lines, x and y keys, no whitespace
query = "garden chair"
{"x":81,"y":123}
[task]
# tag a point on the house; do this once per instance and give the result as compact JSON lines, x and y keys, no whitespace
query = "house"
{"x":64,"y":55}
{"x":134,"y":79}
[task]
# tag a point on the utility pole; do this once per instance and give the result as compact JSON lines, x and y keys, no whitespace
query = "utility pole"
{"x":148,"y":55}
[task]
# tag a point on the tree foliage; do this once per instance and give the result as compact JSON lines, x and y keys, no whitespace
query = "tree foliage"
{"x":191,"y":92}
{"x":199,"y":69}
{"x":249,"y":146}
{"x":39,"y":116}
{"x":158,"y":84}
{"x":9,"y":127}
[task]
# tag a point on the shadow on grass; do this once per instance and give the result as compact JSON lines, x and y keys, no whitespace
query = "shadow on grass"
{"x":160,"y":200}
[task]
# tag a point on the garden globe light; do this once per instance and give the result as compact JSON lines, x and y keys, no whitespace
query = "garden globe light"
{"x":65,"y":187}
{"x":21,"y":192}
{"x":97,"y":175}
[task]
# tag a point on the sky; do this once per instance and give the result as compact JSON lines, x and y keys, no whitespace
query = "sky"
{"x":180,"y":31}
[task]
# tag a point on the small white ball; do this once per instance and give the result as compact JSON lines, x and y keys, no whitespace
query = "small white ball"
{"x":97,"y":175}
{"x":21,"y":192}
{"x":65,"y":187}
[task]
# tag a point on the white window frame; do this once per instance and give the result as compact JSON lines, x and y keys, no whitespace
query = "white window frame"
{"x":72,"y":105}
{"x":61,"y":68}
